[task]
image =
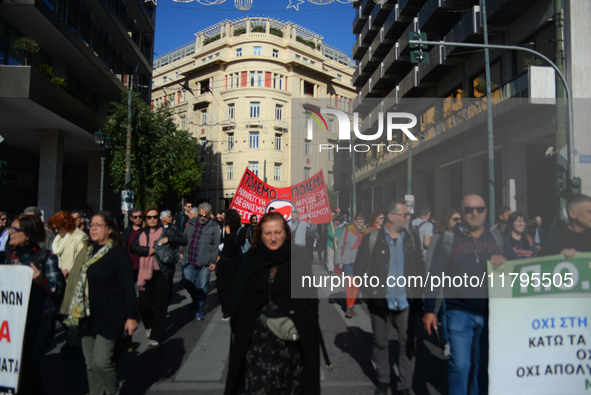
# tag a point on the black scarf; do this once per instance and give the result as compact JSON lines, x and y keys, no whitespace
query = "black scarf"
{"x":254,"y":261}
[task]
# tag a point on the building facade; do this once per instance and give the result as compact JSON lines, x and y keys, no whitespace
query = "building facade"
{"x":239,"y":89}
{"x":447,"y":94}
{"x":50,"y":107}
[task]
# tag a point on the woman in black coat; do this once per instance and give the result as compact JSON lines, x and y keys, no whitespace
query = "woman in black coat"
{"x":260,"y":362}
{"x":153,"y":276}
{"x":229,"y":261}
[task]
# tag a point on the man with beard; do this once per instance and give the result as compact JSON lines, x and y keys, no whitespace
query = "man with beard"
{"x":200,"y":256}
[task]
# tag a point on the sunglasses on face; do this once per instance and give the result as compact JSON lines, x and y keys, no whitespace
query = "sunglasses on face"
{"x":137,"y":216}
{"x":456,"y":219}
{"x":3,"y":219}
{"x":470,"y":210}
{"x":14,"y":229}
{"x":151,"y":217}
{"x":202,"y":215}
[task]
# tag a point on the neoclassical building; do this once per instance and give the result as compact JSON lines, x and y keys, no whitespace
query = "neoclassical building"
{"x":233,"y":88}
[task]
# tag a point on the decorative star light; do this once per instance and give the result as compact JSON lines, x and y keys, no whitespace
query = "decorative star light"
{"x":295,"y":6}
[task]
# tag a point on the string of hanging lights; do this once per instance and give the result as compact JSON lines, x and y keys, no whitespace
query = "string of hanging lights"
{"x":245,"y":5}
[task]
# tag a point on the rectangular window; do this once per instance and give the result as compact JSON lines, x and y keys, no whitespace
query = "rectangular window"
{"x":217,"y":54}
{"x":177,"y":74}
{"x":330,"y":180}
{"x":278,"y":142}
{"x":236,"y":78}
{"x":278,"y":111}
{"x":203,"y":117}
{"x":255,"y":109}
{"x":252,"y":75}
{"x":164,"y":78}
{"x":253,"y":140}
{"x":210,"y":57}
{"x":277,"y":172}
{"x":259,"y":78}
{"x":231,"y":111}
{"x":330,"y":126}
{"x":254,"y":167}
{"x":239,"y":52}
{"x":307,"y":149}
{"x":183,"y":123}
{"x":230,"y":141}
{"x":306,"y":172}
{"x":230,"y":172}
{"x":339,"y":77}
{"x":275,"y":53}
{"x":298,"y":57}
{"x":256,"y":50}
{"x":305,"y":60}
{"x":308,"y":89}
{"x":312,"y":63}
{"x":330,"y":154}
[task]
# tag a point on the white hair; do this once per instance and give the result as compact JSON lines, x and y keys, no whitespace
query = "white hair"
{"x":164,"y":214}
{"x":205,"y":207}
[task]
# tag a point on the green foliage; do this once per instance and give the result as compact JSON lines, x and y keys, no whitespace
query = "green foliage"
{"x":163,"y":158}
{"x":309,"y":43}
{"x":332,"y":198}
{"x":25,"y":46}
{"x":238,"y":32}
{"x":438,"y":115}
{"x":258,"y":29}
{"x":47,"y":71}
{"x":465,"y":94}
{"x":211,"y":39}
{"x":480,"y":87}
{"x":276,"y":32}
{"x":532,"y":61}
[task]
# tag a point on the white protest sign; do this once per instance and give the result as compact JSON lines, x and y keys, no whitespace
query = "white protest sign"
{"x":15,"y":289}
{"x":539,"y":328}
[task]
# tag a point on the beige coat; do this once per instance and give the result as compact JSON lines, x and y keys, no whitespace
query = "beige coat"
{"x":76,"y":244}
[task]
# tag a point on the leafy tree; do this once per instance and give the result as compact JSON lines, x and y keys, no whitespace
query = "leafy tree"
{"x":25,"y":46}
{"x":332,"y":198}
{"x":163,"y":158}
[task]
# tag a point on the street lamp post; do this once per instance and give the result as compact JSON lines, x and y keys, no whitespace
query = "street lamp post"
{"x":104,"y":144}
{"x":372,"y":178}
{"x":338,"y":207}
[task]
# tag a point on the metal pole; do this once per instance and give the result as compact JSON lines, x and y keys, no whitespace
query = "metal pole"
{"x":561,"y":160}
{"x":102,"y":179}
{"x":489,"y":119}
{"x":409,"y":169}
{"x":265,"y":171}
{"x":372,"y":197}
{"x":353,"y":191}
{"x":571,"y":158}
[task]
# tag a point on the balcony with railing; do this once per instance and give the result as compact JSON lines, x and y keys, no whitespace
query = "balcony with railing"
{"x":369,"y":32}
{"x":438,"y":66}
{"x":467,"y":30}
{"x":359,"y":21}
{"x":503,"y":12}
{"x":380,"y":12}
{"x":439,"y":16}
{"x":460,"y":115}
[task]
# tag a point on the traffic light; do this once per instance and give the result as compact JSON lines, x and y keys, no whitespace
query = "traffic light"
{"x":418,"y":52}
{"x":574,"y":186}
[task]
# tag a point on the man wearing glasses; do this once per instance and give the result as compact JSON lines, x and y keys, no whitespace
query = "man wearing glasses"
{"x":465,"y":250}
{"x":389,"y":253}
{"x":182,"y":218}
{"x":78,"y":216}
{"x":200,"y":255}
{"x":130,"y":234}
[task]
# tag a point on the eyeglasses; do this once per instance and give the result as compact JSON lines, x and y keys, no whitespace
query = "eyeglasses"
{"x":456,"y":219}
{"x":381,"y":218}
{"x":151,"y":217}
{"x":76,"y":218}
{"x":202,"y":215}
{"x":3,"y":219}
{"x":188,"y":207}
{"x":137,"y":216}
{"x":470,"y":210}
{"x":97,"y":225}
{"x":405,"y":215}
{"x":14,"y":229}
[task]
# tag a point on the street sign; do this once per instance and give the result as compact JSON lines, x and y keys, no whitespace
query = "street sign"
{"x":410,"y":203}
{"x":126,"y":201}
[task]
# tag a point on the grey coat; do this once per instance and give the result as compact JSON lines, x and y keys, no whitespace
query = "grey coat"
{"x":210,"y":240}
{"x":344,"y":254}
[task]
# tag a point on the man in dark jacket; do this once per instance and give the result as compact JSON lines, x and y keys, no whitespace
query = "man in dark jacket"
{"x":395,"y":253}
{"x":182,"y":218}
{"x":131,"y":233}
{"x":538,"y":233}
{"x":200,"y":255}
{"x":576,"y":235}
{"x":464,"y":252}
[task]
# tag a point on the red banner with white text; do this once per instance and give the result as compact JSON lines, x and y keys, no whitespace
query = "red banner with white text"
{"x":309,"y":198}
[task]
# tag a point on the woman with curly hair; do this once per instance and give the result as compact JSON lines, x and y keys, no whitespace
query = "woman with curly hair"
{"x":230,"y":257}
{"x":69,"y":244}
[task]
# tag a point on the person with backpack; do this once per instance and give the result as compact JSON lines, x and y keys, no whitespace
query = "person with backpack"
{"x":26,"y":233}
{"x":464,"y":251}
{"x":521,"y":241}
{"x":230,"y":255}
{"x":392,"y":252}
{"x":423,"y":226}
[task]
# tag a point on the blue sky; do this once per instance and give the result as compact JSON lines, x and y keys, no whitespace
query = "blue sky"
{"x":176,"y":23}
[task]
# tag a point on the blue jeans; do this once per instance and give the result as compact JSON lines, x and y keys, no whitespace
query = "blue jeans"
{"x":196,"y":281}
{"x":468,"y":366}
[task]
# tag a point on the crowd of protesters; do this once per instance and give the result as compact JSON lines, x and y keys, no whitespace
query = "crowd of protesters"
{"x":86,"y":272}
